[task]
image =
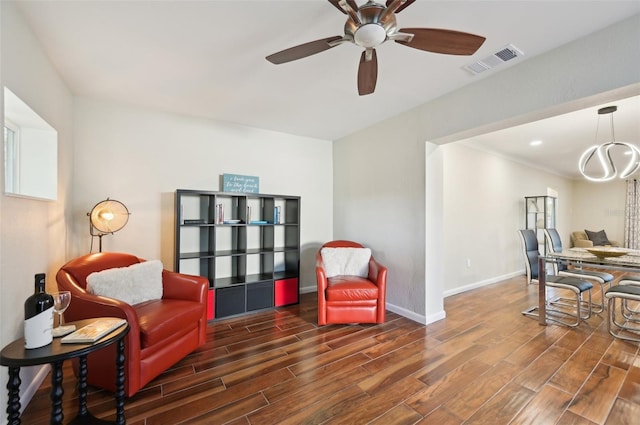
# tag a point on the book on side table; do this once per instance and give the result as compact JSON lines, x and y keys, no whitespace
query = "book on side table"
{"x":94,"y":331}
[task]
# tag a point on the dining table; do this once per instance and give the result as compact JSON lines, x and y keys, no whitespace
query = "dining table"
{"x":612,"y":258}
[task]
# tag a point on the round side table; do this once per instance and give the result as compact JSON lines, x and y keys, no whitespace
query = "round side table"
{"x":15,"y":356}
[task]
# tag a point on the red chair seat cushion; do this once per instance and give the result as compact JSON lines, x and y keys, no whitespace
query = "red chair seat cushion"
{"x":164,"y":319}
{"x":350,"y":288}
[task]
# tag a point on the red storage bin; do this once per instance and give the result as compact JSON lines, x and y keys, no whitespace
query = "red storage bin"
{"x":211,"y":305}
{"x":286,"y":291}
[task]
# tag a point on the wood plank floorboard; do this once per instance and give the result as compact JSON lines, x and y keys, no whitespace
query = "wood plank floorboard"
{"x":485,"y":363}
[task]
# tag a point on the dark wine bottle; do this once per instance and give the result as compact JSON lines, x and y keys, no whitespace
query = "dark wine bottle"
{"x":38,"y":316}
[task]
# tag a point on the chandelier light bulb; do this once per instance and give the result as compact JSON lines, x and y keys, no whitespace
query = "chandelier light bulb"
{"x":106,"y":215}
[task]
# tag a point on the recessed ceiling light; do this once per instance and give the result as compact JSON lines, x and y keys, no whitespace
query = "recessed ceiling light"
{"x":535,"y":143}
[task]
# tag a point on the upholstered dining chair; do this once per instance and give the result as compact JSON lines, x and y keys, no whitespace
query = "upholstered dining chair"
{"x":633,"y":280}
{"x":352,"y":285}
{"x":626,"y":325}
{"x":556,"y":307}
{"x":554,"y":243}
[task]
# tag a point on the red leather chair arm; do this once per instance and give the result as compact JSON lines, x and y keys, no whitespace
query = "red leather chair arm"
{"x":187,"y":287}
{"x":321,"y":276}
{"x":184,"y":287}
{"x":377,"y":274}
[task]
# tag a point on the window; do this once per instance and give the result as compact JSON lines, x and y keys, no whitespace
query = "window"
{"x":30,"y":151}
{"x":11,"y":160}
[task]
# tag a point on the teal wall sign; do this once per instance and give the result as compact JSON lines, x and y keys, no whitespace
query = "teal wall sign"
{"x":240,"y":183}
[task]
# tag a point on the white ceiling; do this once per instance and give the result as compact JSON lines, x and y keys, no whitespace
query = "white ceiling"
{"x":565,"y":137}
{"x":207,"y":58}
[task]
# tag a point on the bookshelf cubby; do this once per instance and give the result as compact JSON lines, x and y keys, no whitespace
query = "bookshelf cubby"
{"x":246,"y":244}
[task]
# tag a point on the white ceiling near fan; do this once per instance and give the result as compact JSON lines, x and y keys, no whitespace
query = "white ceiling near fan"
{"x":207,"y":58}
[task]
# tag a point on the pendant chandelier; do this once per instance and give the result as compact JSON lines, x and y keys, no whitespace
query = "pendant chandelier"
{"x":603,"y":154}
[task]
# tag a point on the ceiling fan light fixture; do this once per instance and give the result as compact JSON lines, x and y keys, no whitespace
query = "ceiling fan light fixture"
{"x":370,"y":35}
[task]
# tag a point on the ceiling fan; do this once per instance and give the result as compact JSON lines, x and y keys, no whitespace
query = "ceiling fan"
{"x":372,"y":24}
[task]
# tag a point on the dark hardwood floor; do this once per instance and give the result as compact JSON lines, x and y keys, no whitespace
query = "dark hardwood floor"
{"x":484,"y":364}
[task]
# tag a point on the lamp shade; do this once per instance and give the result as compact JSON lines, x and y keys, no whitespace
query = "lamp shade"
{"x":109,"y":216}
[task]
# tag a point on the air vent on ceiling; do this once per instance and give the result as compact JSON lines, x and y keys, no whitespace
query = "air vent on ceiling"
{"x":501,"y":56}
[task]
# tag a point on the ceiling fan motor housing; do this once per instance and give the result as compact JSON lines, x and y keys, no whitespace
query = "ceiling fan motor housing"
{"x":374,"y":26}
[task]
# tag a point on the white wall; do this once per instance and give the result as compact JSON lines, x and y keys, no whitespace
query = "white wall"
{"x":483,"y":210}
{"x":565,"y":79}
{"x":140,"y":157}
{"x":379,"y":201}
{"x":32,"y":233}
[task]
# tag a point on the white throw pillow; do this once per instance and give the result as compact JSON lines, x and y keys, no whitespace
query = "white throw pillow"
{"x":135,"y":284}
{"x":346,"y":261}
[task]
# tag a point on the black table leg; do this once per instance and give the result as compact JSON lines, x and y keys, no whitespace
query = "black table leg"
{"x":13,"y":404}
{"x":120,"y":419}
{"x":542,"y":291}
{"x":82,"y":386}
{"x":56,"y":393}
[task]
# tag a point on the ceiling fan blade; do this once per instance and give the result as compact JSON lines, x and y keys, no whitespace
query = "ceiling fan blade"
{"x":401,"y":8}
{"x":303,"y":50}
{"x":367,"y":72}
{"x":352,"y":3}
{"x":443,"y":41}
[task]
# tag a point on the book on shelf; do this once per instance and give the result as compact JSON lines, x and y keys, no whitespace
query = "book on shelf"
{"x":94,"y":331}
{"x":219,"y":212}
{"x":195,"y":221}
{"x":276,"y":215}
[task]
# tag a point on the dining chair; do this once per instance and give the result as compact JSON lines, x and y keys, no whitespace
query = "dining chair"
{"x":554,"y":244}
{"x":633,"y":280}
{"x":556,"y":306}
{"x":623,"y":326}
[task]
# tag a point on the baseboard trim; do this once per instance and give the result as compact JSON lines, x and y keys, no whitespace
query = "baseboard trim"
{"x":29,"y":391}
{"x":482,"y":283}
{"x":411,"y":315}
{"x":436,"y":316}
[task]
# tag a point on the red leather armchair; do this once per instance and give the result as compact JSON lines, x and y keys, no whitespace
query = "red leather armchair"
{"x":351,"y":299}
{"x":161,"y":331}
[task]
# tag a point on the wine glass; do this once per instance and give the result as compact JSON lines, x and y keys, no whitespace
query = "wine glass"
{"x":61,"y":301}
